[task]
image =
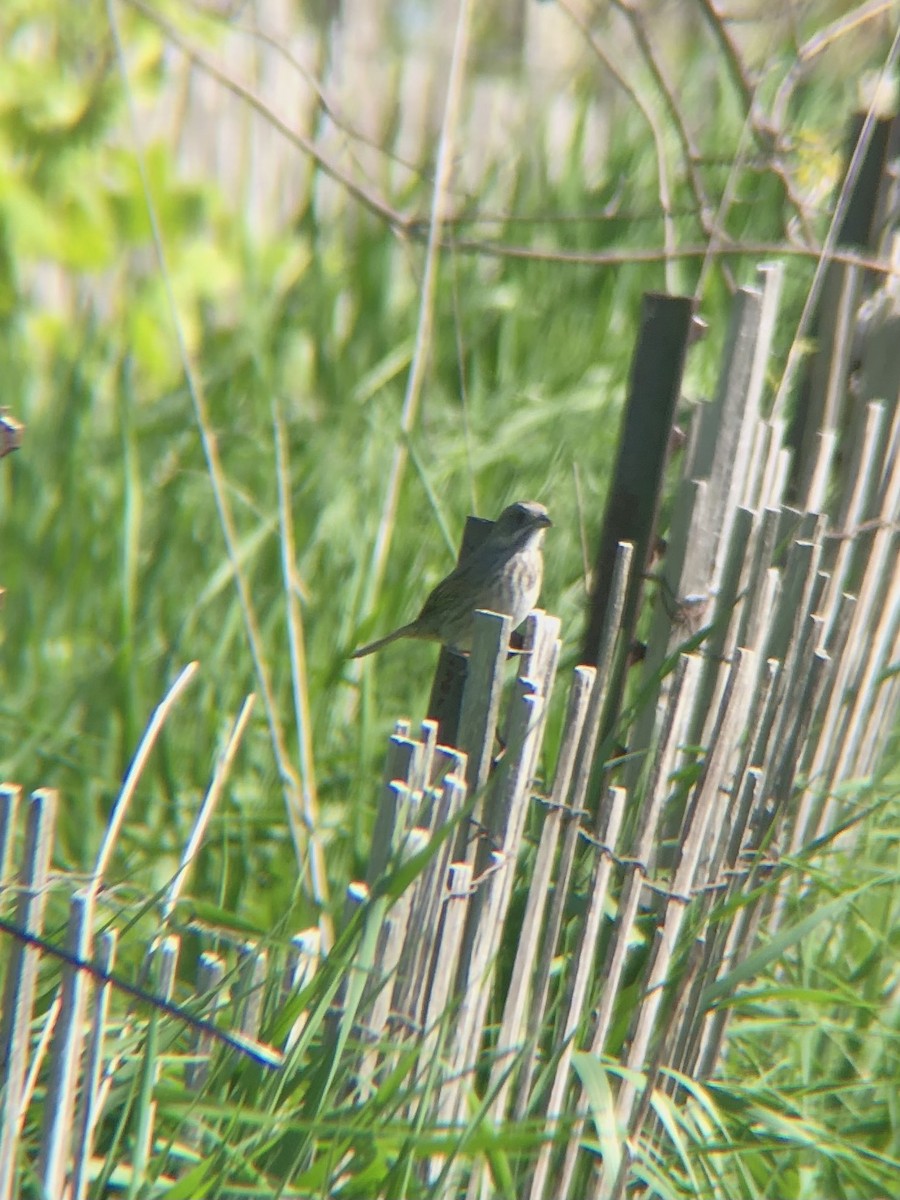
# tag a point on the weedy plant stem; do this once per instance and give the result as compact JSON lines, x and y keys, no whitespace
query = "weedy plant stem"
{"x":318,"y":876}
{"x":207,"y":808}
{"x":422,"y":348}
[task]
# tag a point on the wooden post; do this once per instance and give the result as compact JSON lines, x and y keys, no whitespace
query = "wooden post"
{"x":822,"y":399}
{"x":631,"y":509}
{"x":445,"y":702}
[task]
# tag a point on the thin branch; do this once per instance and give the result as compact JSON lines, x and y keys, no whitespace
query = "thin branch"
{"x":689,"y":151}
{"x":267,"y":1056}
{"x":370,"y":199}
{"x":614,"y":258}
{"x":649,"y":116}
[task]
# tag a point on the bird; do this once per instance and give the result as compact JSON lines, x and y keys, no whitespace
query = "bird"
{"x":503,"y":575}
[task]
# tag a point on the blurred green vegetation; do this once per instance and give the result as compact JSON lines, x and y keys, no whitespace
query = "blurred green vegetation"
{"x":114,"y":562}
{"x":112,"y":554}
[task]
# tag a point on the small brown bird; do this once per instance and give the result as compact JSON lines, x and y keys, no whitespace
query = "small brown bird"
{"x":503,"y":574}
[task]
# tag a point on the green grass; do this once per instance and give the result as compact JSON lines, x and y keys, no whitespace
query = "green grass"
{"x":116,"y":573}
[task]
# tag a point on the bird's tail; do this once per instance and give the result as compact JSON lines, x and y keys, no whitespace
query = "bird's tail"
{"x":403,"y":631}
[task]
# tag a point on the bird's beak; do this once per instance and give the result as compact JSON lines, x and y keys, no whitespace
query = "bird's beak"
{"x":545,"y":520}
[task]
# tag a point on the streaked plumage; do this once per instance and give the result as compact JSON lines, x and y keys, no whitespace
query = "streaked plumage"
{"x":503,"y":574}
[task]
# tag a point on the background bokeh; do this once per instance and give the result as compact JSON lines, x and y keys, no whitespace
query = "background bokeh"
{"x":285,"y":156}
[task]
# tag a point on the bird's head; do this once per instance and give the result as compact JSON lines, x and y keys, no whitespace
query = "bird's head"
{"x":521,"y":523}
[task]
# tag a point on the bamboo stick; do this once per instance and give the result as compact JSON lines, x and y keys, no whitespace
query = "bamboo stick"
{"x":21,"y":975}
{"x":10,"y":799}
{"x":732,"y":719}
{"x":89,"y":1099}
{"x":519,"y":991}
{"x":578,"y":989}
{"x":66,"y":1053}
